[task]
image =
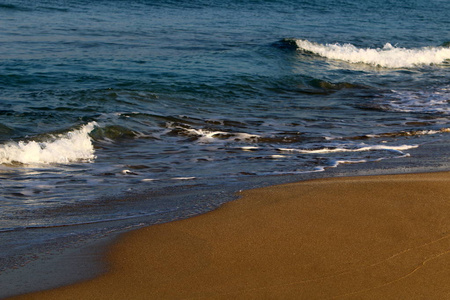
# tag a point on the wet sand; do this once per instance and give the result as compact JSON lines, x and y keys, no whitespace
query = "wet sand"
{"x":375,"y":237}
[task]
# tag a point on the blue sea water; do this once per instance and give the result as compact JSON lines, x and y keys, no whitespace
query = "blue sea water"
{"x":120,"y":110}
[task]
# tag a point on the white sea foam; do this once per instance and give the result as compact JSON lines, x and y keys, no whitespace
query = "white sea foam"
{"x":73,"y":146}
{"x":149,"y":179}
{"x":389,"y":56}
{"x":423,"y":101}
{"x":208,"y":136}
{"x":339,"y":162}
{"x":183,"y":178}
{"x":360,"y":149}
{"x":204,"y":136}
{"x":411,"y":133}
{"x":249,"y":148}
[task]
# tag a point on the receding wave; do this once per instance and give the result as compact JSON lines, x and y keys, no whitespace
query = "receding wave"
{"x":433,"y":101}
{"x":73,"y":146}
{"x":389,"y":56}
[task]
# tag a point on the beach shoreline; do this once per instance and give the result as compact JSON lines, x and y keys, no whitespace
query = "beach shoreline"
{"x":120,"y":115}
{"x":346,"y":237}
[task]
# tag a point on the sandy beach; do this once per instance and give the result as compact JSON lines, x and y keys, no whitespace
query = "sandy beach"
{"x":375,"y":237}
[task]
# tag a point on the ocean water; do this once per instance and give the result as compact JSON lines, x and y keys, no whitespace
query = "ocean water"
{"x":149,"y":111}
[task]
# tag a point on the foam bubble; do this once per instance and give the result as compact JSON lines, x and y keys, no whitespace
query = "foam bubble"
{"x":73,"y":146}
{"x":389,"y":56}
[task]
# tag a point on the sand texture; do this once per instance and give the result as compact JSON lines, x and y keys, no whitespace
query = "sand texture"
{"x":381,"y":237}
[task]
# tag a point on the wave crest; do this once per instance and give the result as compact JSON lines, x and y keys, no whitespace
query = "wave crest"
{"x":389,"y":56}
{"x":73,"y":146}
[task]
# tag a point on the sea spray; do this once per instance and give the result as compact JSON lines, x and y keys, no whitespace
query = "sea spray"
{"x":73,"y":146}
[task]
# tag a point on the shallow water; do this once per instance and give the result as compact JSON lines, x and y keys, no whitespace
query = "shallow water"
{"x":162,"y":101}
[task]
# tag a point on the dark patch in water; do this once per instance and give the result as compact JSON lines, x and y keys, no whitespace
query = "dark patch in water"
{"x":13,"y":7}
{"x":5,"y":130}
{"x":286,"y":44}
{"x":330,"y":87}
{"x":112,"y":132}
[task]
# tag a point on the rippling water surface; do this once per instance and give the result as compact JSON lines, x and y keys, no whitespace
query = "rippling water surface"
{"x":107,"y":100}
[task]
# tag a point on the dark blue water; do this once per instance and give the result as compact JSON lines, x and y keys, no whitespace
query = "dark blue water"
{"x":102,"y":101}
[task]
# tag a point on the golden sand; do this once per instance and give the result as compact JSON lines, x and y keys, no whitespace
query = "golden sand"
{"x":381,"y":237}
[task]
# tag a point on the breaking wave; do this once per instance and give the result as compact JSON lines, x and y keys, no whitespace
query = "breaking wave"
{"x":389,"y":56}
{"x":73,"y":146}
